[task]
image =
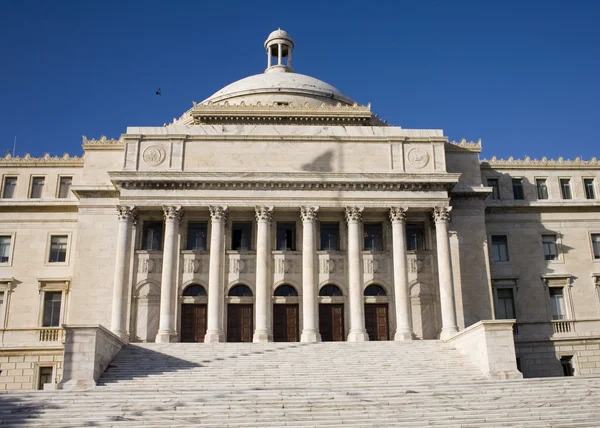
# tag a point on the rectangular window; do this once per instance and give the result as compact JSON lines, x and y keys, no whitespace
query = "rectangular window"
{"x":37,"y":186}
{"x":241,"y":235}
{"x":58,"y":249}
{"x":5,"y":249}
{"x":152,"y":235}
{"x":499,"y":248}
{"x":505,"y":307}
{"x":52,"y":308}
{"x":588,"y":184}
{"x":286,"y":236}
{"x":565,"y":188}
{"x":415,"y":236}
{"x":330,"y":236}
{"x":196,"y":236}
{"x":542,"y":188}
{"x":1,"y":305}
{"x":10,"y":184}
{"x":45,"y":377}
{"x":493,"y":183}
{"x":64,"y":187}
{"x":373,"y":233}
{"x":567,"y":365}
{"x":596,"y":245}
{"x":550,"y":249}
{"x":517,"y":184}
{"x":557,"y":303}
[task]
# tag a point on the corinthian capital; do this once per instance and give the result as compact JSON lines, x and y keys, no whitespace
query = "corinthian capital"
{"x":125,"y":212}
{"x":442,"y":214}
{"x":354,"y":214}
{"x":264,"y":214}
{"x":172,"y":212}
{"x":397,"y":214}
{"x":308,"y":213}
{"x":218,"y":213}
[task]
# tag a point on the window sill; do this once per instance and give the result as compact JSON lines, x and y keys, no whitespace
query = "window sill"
{"x":332,"y":252}
{"x":285,"y":252}
{"x":195,"y":252}
{"x":148,"y":252}
{"x":240,"y":252}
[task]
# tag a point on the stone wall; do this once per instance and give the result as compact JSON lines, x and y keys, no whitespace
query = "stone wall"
{"x":542,"y":358}
{"x":20,"y":369}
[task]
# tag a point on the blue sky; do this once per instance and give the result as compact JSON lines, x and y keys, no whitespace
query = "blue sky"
{"x":522,"y":75}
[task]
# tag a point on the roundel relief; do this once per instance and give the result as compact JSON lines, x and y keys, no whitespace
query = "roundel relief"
{"x":154,"y":155}
{"x":418,"y":158}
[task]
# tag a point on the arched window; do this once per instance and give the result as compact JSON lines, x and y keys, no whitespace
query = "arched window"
{"x":240,"y":291}
{"x":330,"y":290}
{"x":286,"y":291}
{"x":194,"y":290}
{"x":374,"y":290}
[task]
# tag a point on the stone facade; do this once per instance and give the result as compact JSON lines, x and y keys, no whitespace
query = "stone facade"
{"x":279,"y":209}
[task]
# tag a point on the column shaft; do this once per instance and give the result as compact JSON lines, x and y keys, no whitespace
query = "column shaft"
{"x":168,"y":286}
{"x":214,"y":331}
{"x":118,"y":322}
{"x":269,"y":57}
{"x":279,"y":54}
{"x":310,"y":313}
{"x":263,"y":330}
{"x":449,"y":327}
{"x":357,"y":332}
{"x":403,"y":322}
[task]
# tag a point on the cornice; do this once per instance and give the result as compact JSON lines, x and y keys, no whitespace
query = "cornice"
{"x":102,"y":143}
{"x":283,"y":137}
{"x":559,"y":163}
{"x":86,"y":192}
{"x":462,"y":145}
{"x":45,"y":161}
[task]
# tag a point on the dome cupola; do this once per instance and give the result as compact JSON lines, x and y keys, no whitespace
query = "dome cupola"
{"x":279,"y":46}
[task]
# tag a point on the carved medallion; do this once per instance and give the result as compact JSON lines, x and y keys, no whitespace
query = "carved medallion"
{"x":418,"y":158}
{"x":154,"y":155}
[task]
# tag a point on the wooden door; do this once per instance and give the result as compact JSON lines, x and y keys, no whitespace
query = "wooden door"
{"x":331,"y":322}
{"x":239,"y":323}
{"x":193,"y":322}
{"x":285,"y":323}
{"x":376,"y":321}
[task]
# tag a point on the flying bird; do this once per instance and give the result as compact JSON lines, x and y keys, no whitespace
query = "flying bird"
{"x":158,"y":92}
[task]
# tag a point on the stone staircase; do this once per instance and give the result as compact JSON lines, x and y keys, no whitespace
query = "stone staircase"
{"x":373,"y":384}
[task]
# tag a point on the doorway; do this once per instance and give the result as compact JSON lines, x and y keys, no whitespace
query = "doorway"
{"x":376,"y":313}
{"x":331,"y":322}
{"x":193,"y":322}
{"x":239,"y":323}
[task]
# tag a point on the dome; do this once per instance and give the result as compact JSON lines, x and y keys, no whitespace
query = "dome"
{"x":269,"y":88}
{"x":279,"y":34}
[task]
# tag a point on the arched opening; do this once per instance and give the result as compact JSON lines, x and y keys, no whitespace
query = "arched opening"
{"x":146,"y":311}
{"x":331,"y":313}
{"x":286,"y":314}
{"x":424,"y":311}
{"x":240,"y":314}
{"x":376,"y":312}
{"x":193,"y":313}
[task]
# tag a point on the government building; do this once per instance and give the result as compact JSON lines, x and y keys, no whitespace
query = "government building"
{"x":279,"y":209}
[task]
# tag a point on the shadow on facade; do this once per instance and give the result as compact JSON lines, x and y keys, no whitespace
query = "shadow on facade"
{"x":23,"y":408}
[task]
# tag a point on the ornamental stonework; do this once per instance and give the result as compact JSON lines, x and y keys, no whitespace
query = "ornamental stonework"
{"x":173,"y":212}
{"x":354,"y":214}
{"x":193,"y":266}
{"x":309,"y":213}
{"x":154,"y":155}
{"x":150,"y":266}
{"x":442,"y":214}
{"x":264,"y":214}
{"x":125,"y":212}
{"x":418,"y":158}
{"x":284,"y":266}
{"x":218,"y":213}
{"x":397,"y":214}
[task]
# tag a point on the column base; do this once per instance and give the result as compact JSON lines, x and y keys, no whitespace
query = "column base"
{"x":358,"y":336}
{"x":214,"y":337}
{"x":262,"y":337}
{"x":402,"y":336}
{"x":310,"y":336}
{"x":448,"y":332}
{"x":166,"y":337}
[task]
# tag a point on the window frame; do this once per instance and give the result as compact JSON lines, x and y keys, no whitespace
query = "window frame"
{"x":507,"y":252}
{"x":142,"y":229}
{"x":339,"y":237}
{"x":592,"y":186}
{"x":58,"y":187}
{"x":505,"y":285}
{"x":6,"y":286}
{"x":564,"y":282}
{"x":187,"y":235}
{"x":538,"y":187}
{"x":46,"y":285}
{"x":517,"y":187}
{"x":281,"y":226}
{"x":4,"y":177}
{"x":11,"y":250}
{"x":381,"y":235}
{"x":591,"y":240}
{"x":495,"y":194}
{"x":556,"y":243}
{"x":568,"y":180}
{"x":31,"y":180}
{"x":47,"y":261}
{"x":424,"y":243}
{"x":251,"y":230}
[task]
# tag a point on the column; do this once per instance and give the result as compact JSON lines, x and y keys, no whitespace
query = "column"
{"x":269,"y":57}
{"x":289,"y":60}
{"x":310,"y":306}
{"x":168,"y":286}
{"x":403,"y":324}
{"x":357,"y":333}
{"x":279,"y":54}
{"x":118,"y":322}
{"x":441,"y":216}
{"x":214,"y":327}
{"x":263,"y":331}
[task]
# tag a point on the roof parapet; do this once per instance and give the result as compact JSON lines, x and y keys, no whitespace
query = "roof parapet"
{"x":46,"y":160}
{"x":543,"y":162}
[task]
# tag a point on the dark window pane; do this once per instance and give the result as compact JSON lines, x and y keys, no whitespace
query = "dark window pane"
{"x":565,"y":188}
{"x":499,"y":248}
{"x":330,"y":236}
{"x":196,"y":237}
{"x":194,"y":290}
{"x":549,"y":244}
{"x":374,"y":290}
{"x":52,"y":308}
{"x":415,"y":236}
{"x":240,"y":291}
{"x":596,"y":245}
{"x":286,"y":236}
{"x":542,"y":188}
{"x":37,"y":186}
{"x":4,"y":248}
{"x":588,"y":183}
{"x":10,"y":184}
{"x":517,"y":184}
{"x":505,"y":308}
{"x":373,"y":233}
{"x":64,"y":187}
{"x":241,"y":235}
{"x":493,"y":183}
{"x":557,"y":303}
{"x":286,"y":291}
{"x":567,"y":365}
{"x":153,"y":235}
{"x":330,"y":290}
{"x":58,"y":249}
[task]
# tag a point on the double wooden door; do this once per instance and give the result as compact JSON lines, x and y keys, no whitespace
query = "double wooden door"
{"x":285,"y":323}
{"x":193,"y":322}
{"x":376,"y":321}
{"x":239,"y":323}
{"x":331,"y":322}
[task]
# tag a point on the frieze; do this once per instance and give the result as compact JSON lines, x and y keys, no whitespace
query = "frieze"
{"x":417,"y":265}
{"x":240,"y":266}
{"x":192,"y":266}
{"x":150,"y":266}
{"x":328,"y":266}
{"x":284,"y":266}
{"x":373,"y":266}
